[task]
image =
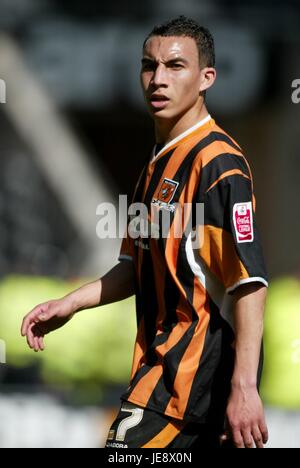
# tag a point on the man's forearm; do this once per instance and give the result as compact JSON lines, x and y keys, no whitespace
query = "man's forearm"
{"x":245,"y":413}
{"x":116,"y":285}
{"x":249,"y":304}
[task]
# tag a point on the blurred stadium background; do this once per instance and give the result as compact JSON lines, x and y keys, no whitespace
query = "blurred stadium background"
{"x":74,"y":133}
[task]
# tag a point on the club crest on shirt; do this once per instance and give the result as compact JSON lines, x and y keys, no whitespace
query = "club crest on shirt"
{"x":166,"y":194}
{"x":243,"y":222}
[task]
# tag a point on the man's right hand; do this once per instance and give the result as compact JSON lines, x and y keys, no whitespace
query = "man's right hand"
{"x":45,"y":318}
{"x":116,"y":285}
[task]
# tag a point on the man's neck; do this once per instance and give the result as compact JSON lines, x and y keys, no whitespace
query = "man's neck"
{"x":166,"y":130}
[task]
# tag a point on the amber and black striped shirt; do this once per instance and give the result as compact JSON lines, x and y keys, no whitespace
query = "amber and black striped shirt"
{"x":183,"y":356}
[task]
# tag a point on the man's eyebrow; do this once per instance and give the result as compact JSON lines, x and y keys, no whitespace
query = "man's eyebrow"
{"x":177,"y":59}
{"x":170,"y":61}
{"x":148,"y":60}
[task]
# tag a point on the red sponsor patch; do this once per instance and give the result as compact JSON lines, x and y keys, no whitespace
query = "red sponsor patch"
{"x":243,"y":222}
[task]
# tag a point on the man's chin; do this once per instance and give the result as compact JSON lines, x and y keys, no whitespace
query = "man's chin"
{"x":161,"y":114}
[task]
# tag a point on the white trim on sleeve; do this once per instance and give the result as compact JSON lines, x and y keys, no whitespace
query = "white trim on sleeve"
{"x":125,"y":257}
{"x":254,"y":279}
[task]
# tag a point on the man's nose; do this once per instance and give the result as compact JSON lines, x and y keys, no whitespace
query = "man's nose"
{"x":160,"y":76}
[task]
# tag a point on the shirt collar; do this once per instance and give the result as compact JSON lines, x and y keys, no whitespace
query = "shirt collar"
{"x":181,"y":136}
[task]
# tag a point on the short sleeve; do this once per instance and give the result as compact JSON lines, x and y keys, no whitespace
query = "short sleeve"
{"x":232,"y":247}
{"x":127,"y":247}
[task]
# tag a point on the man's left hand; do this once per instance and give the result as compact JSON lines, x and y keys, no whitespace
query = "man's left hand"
{"x":245,"y":418}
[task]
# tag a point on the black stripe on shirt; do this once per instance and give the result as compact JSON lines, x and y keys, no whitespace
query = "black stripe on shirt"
{"x":214,"y":373}
{"x":219,"y":165}
{"x":160,"y":166}
{"x":181,"y":176}
{"x":218,"y":136}
{"x":164,"y":390}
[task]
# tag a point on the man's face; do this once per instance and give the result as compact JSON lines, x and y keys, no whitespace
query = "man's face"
{"x":170,"y":76}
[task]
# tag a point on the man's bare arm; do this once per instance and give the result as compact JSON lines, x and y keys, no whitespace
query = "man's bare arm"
{"x":245,"y":412}
{"x":116,"y":285}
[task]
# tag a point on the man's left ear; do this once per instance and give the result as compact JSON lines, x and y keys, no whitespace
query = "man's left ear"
{"x":208,"y":77}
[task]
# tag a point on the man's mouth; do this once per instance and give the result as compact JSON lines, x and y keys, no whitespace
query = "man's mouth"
{"x":159,"y":101}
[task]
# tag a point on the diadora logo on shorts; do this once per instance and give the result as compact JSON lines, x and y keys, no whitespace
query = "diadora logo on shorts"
{"x":243,"y":222}
{"x":166,"y":194}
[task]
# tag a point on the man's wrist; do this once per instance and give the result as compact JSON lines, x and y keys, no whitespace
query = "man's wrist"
{"x":86,"y":297}
{"x":73,"y":302}
{"x":244,"y":376}
{"x":243,"y":383}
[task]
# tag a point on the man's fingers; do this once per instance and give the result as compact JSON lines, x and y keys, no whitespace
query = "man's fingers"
{"x":238,"y":439}
{"x":30,"y":336}
{"x":41,"y":343}
{"x":33,"y":326}
{"x":33,"y":337}
{"x":31,"y":317}
{"x":28,"y":340}
{"x":264,"y":432}
{"x":36,"y":344}
{"x":40,"y":335}
{"x":258,"y":438}
{"x":25,"y":325}
{"x":38,"y":314}
{"x":247,"y":437}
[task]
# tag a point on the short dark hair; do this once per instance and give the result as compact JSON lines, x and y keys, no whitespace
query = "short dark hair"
{"x":187,"y":27}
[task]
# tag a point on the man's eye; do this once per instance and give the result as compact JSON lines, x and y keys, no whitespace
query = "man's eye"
{"x":147,"y":67}
{"x":176,"y":66}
